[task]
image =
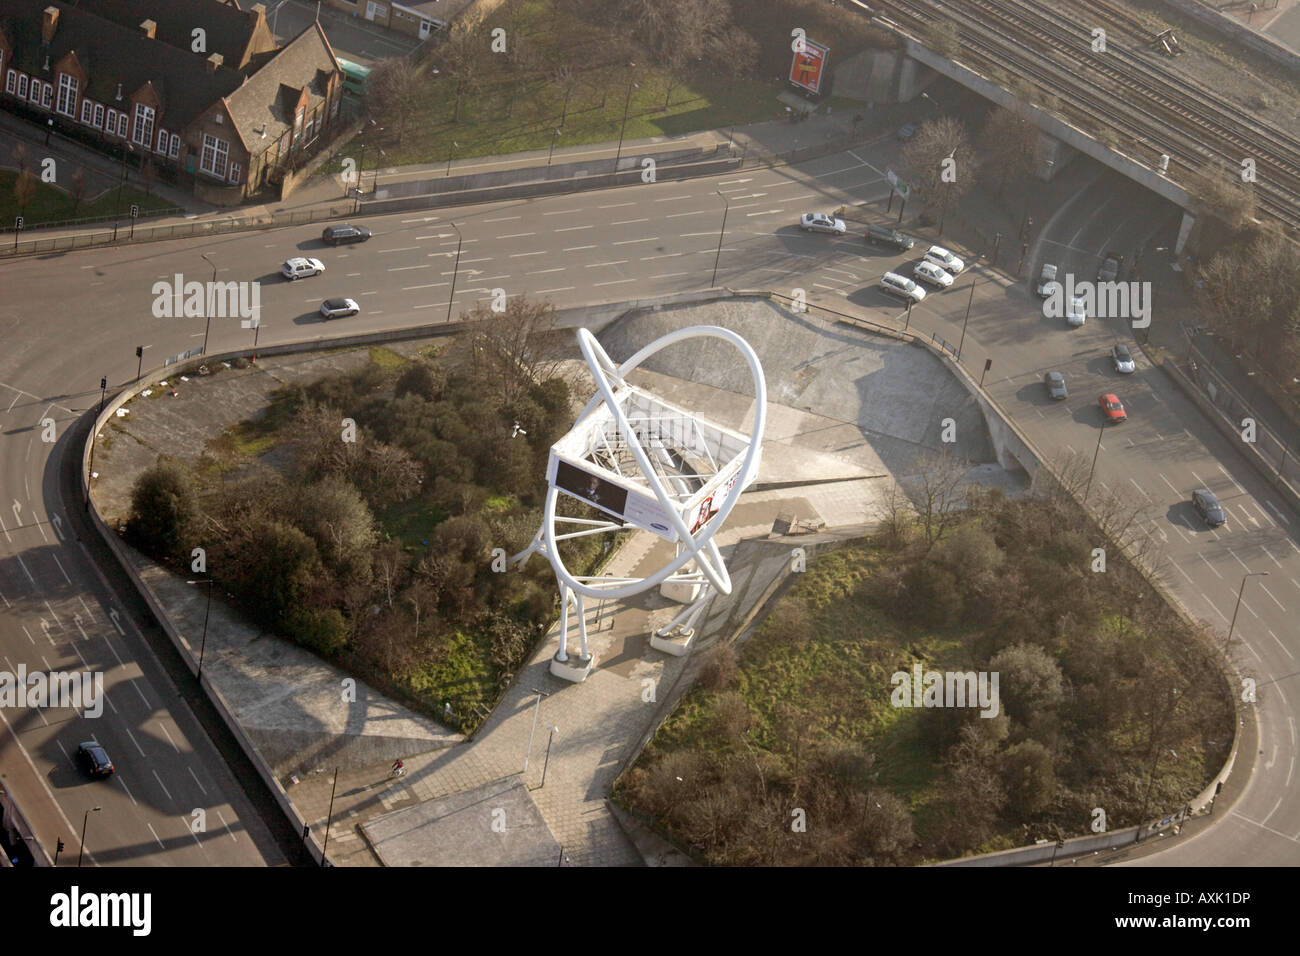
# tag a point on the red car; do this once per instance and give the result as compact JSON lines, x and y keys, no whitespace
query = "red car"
{"x":1112,"y":409}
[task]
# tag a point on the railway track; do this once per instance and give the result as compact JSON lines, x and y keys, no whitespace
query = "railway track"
{"x":1158,"y":110}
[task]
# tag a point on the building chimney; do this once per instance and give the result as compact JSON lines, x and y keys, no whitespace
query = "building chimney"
{"x":214,"y":62}
{"x":49,"y":23}
{"x":149,"y":29}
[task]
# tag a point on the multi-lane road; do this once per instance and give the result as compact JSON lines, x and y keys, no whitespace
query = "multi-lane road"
{"x":68,"y":320}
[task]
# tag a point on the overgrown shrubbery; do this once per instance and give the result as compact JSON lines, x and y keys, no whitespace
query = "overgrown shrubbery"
{"x":377,"y":551}
{"x":1101,"y":685}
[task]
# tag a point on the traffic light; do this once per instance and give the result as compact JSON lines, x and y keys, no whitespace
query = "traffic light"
{"x":60,"y":847}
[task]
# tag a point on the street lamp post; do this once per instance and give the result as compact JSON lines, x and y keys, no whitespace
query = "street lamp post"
{"x":117,"y":204}
{"x":84,"y":821}
{"x":547,"y":762}
{"x":212,"y":290}
{"x":552,"y":151}
{"x":626,"y":105}
{"x":726,"y":208}
{"x":451,"y":151}
{"x":208,"y":610}
{"x":103,"y":392}
{"x":1101,"y":431}
{"x":454,"y":272}
{"x":969,"y":300}
{"x":1240,"y":590}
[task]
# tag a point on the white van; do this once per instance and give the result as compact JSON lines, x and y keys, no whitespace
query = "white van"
{"x":901,"y":286}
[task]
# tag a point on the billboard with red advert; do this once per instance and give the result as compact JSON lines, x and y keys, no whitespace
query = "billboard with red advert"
{"x":809,"y":65}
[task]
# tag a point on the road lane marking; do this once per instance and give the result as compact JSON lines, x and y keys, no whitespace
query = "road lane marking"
{"x":1238,"y":560}
{"x":616,"y":205}
{"x":398,"y":249}
{"x":517,"y":235}
{"x":504,"y":219}
{"x":627,"y":222}
{"x":613,"y":282}
{"x":693,"y":212}
{"x":614,"y":262}
{"x":578,"y":248}
{"x":544,"y":271}
{"x":628,"y":242}
{"x":1210,"y":566}
{"x":1265,"y":589}
{"x":426,"y":265}
{"x":571,"y":229}
{"x":521,"y":255}
{"x":431,"y":285}
{"x":563,"y":288}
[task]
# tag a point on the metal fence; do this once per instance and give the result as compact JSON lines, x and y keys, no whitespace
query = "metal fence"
{"x":180,"y":230}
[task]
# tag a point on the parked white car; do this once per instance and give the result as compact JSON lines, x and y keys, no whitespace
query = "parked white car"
{"x":931,"y":274}
{"x":1075,"y":314}
{"x":822,"y":222}
{"x":297,"y":267}
{"x":895,"y":284}
{"x":944,"y":259}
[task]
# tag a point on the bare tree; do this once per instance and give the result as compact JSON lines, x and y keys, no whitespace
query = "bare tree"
{"x":77,"y":188}
{"x":396,"y":93}
{"x":509,"y":347}
{"x":24,"y":189}
{"x":1009,"y":146}
{"x":939,"y":493}
{"x":22,"y":158}
{"x":938,"y":161}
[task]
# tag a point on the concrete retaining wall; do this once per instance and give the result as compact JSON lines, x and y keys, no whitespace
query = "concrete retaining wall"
{"x":546,"y":188}
{"x":1049,"y":123}
{"x":1247,"y":36}
{"x":532,"y":174}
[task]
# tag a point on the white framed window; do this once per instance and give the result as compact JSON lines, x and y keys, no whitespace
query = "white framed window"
{"x":22,"y":86}
{"x":162,"y":142}
{"x":215,"y":153}
{"x":235,"y":170}
{"x":121,"y":125}
{"x":11,"y":81}
{"x":98,"y":122}
{"x":67,"y":95}
{"x":87,"y":111}
{"x":143,"y":132}
{"x":175,"y":149}
{"x":47,"y":95}
{"x":110,"y":121}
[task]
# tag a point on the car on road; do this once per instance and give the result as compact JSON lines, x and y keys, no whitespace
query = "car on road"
{"x":1109,"y":270}
{"x":906,"y":132}
{"x":344,"y":234}
{"x":1123,"y":359}
{"x":1055,"y":383}
{"x":1046,"y":281}
{"x":944,"y":259}
{"x":1208,"y":507}
{"x":337,"y":308}
{"x":895,"y":284}
{"x":931,"y":274}
{"x":1112,"y":408}
{"x":884,"y":236}
{"x":94,"y":759}
{"x":298,"y":266}
{"x":1076,"y":314}
{"x":822,"y":222}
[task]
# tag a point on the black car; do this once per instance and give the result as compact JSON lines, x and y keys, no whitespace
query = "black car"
{"x":884,"y":236}
{"x":1055,"y":383}
{"x":344,"y":234}
{"x":1109,"y":270}
{"x":94,"y":758}
{"x":1208,"y":507}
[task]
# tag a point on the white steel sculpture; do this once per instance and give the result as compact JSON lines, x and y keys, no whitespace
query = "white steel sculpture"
{"x":648,"y":465}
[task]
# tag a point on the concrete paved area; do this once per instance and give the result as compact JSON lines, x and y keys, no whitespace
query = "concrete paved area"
{"x":848,"y":411}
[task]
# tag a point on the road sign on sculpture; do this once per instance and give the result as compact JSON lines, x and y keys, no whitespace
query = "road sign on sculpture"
{"x":653,"y":466}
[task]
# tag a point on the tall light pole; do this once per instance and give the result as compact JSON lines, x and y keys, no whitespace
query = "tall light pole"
{"x":85,"y":820}
{"x":117,"y":205}
{"x":451,"y":151}
{"x":454,"y":272}
{"x":626,"y":104}
{"x":552,"y":152}
{"x":1240,"y":590}
{"x":208,"y":610}
{"x":969,"y":300}
{"x":726,"y":208}
{"x":103,"y":393}
{"x":1101,"y":431}
{"x":212,"y":291}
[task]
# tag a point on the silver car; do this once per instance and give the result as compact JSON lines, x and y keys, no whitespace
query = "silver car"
{"x":336,"y":308}
{"x":822,"y":222}
{"x":298,"y":267}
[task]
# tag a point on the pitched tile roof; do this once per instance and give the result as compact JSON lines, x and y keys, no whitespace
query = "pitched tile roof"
{"x":113,"y":54}
{"x":268,"y":97}
{"x":228,"y":29}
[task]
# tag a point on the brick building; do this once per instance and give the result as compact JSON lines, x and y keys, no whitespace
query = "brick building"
{"x":198,"y":88}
